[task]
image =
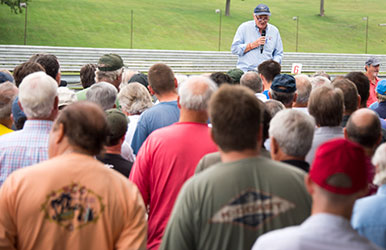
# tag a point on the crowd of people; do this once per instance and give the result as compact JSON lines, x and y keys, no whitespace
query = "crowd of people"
{"x":234,"y":160}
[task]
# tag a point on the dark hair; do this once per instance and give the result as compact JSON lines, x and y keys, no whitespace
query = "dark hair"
{"x":366,"y":136}
{"x":161,"y":78}
{"x":285,"y":98}
{"x":326,"y":106}
{"x":363,"y":85}
{"x":24,"y":70}
{"x":236,"y":116}
{"x":266,"y":120}
{"x":269,"y":69}
{"x":220,"y":78}
{"x":49,"y":62}
{"x":87,"y":75}
{"x":84,"y":125}
{"x":350,"y":94}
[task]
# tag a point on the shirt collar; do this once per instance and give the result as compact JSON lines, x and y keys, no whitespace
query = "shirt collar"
{"x":37,"y":125}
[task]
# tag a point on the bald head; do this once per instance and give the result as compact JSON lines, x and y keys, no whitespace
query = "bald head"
{"x":194,"y":93}
{"x":253,"y":81}
{"x":364,"y":128}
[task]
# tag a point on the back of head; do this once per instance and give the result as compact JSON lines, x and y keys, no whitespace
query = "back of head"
{"x":6,"y":76}
{"x":318,"y":81}
{"x":326,"y":106}
{"x":220,"y":78}
{"x":363,"y":85}
{"x":117,"y":124}
{"x":24,"y":70}
{"x":49,"y":62}
{"x":273,"y":107}
{"x":84,"y":125}
{"x":364,"y":128}
{"x":269,"y":69}
{"x":283,"y":89}
{"x":303,"y":89}
{"x":109,"y":69}
{"x":66,"y":97}
{"x":294,"y":131}
{"x":8,"y":93}
{"x":140,"y":78}
{"x":134,"y":98}
{"x":195,"y":93}
{"x":37,"y":93}
{"x":236,"y":116}
{"x":253,"y":81}
{"x":322,"y":73}
{"x":379,"y":160}
{"x":161,"y":78}
{"x":339,"y":168}
{"x":102,"y":93}
{"x":350,"y":94}
{"x":87,"y":75}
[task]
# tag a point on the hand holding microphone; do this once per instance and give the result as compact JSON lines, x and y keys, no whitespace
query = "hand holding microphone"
{"x":262,"y":45}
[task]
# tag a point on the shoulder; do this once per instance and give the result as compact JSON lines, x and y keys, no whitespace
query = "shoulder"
{"x":273,"y":28}
{"x":247,"y":25}
{"x":286,"y":238}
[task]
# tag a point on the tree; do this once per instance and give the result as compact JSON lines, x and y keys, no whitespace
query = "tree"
{"x":14,"y":5}
{"x":321,"y":8}
{"x":227,"y":7}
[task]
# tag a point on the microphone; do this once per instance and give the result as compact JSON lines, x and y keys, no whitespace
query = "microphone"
{"x":262,"y":46}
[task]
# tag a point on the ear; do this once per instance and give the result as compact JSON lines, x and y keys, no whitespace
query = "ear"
{"x":18,"y":103}
{"x":359,"y":102}
{"x":58,"y":77}
{"x":178,"y":102}
{"x":309,"y":184}
{"x":274,"y":148}
{"x":269,"y":94}
{"x":60,"y":133}
{"x":345,"y":133}
{"x":150,"y":90}
{"x":295,"y":97}
{"x":175,"y":83}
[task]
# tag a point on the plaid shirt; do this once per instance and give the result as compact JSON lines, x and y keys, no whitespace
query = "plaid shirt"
{"x":24,"y":147}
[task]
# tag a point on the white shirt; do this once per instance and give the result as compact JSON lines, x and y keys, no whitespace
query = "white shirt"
{"x":319,"y":232}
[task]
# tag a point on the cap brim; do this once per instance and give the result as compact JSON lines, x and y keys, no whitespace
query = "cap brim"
{"x":262,"y":14}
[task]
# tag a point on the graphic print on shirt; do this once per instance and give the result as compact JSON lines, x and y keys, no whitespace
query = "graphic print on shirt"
{"x":73,"y":206}
{"x":252,"y":208}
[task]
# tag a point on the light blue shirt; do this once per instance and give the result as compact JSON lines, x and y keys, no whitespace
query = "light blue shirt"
{"x":369,"y":217}
{"x":248,"y":32}
{"x":319,"y":232}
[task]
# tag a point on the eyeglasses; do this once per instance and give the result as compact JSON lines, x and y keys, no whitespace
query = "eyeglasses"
{"x":262,"y":18}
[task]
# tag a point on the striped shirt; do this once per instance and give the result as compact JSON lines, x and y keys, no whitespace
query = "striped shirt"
{"x":24,"y":147}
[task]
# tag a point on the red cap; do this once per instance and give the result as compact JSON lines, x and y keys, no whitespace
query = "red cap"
{"x":340,"y":167}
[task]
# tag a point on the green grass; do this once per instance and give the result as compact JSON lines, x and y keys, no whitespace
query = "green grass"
{"x":193,"y":25}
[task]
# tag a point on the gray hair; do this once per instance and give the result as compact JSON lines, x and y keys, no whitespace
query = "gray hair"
{"x":303,"y":88}
{"x":108,"y":76}
{"x":252,"y":80}
{"x":195,"y":92}
{"x":8,"y":93}
{"x":293,"y":130}
{"x":273,"y":107}
{"x":319,"y":81}
{"x":379,"y":160}
{"x":102,"y":93}
{"x":134,"y":98}
{"x":37,"y":93}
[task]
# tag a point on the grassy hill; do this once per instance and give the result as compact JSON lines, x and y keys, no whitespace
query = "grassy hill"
{"x":194,"y":25}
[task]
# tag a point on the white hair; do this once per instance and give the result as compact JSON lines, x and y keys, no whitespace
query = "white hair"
{"x":319,"y":81}
{"x":110,"y":76}
{"x":102,"y":93}
{"x":303,"y":88}
{"x":293,"y":130}
{"x":8,"y":92}
{"x":134,"y":98}
{"x":37,"y":94}
{"x":379,"y":160}
{"x":181,"y":78}
{"x":195,"y":92}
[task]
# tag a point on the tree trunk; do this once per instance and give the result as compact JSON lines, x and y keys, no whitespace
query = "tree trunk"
{"x":321,"y":8}
{"x":227,"y":7}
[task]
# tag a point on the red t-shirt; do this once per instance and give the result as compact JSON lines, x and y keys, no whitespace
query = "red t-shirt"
{"x":165,"y":161}
{"x":373,"y":94}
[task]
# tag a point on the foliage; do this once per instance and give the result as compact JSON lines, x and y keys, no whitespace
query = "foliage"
{"x":14,"y":5}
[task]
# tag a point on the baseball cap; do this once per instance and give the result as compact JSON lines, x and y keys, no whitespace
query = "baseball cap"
{"x":340,"y":167}
{"x":284,"y":83}
{"x":235,"y":74}
{"x":117,"y":123}
{"x":381,"y":87}
{"x":262,"y":9}
{"x":140,"y":78}
{"x":372,"y":61}
{"x":4,"y":76}
{"x":110,"y":62}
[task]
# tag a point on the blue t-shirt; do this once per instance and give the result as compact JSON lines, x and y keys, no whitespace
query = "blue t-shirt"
{"x":158,"y":116}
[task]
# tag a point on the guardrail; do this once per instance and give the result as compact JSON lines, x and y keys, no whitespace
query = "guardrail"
{"x":181,"y":61}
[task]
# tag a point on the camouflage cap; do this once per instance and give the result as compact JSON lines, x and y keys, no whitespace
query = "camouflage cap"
{"x":110,"y":62}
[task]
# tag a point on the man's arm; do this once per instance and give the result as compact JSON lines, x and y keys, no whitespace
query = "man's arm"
{"x":139,"y":136}
{"x":240,"y":46}
{"x":278,"y":51}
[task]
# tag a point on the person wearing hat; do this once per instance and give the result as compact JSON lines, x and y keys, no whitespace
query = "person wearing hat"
{"x":283,"y":89}
{"x":336,"y":179}
{"x":372,"y":70}
{"x":257,"y":41}
{"x":110,"y":69}
{"x":117,"y":123}
{"x":381,"y":95}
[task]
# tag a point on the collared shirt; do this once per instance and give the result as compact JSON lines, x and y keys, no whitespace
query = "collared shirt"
{"x":320,"y":231}
{"x":24,"y":147}
{"x":4,"y":130}
{"x":372,"y":94}
{"x":248,"y":32}
{"x":369,"y":217}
